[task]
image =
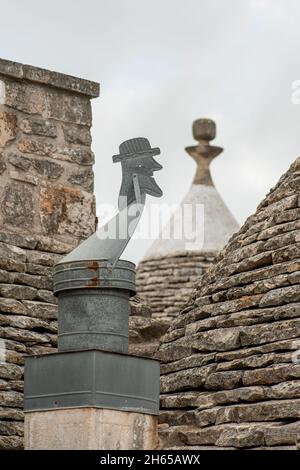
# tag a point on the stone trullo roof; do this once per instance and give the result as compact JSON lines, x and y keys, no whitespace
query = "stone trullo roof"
{"x":230,"y":362}
{"x":166,"y":276}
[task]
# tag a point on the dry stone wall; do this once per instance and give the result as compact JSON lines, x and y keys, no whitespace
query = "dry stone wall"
{"x":46,"y":208}
{"x":145,"y":332}
{"x":230,"y":361}
{"x":167,"y":282}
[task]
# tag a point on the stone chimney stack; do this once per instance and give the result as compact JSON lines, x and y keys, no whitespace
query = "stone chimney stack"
{"x":47,"y":207}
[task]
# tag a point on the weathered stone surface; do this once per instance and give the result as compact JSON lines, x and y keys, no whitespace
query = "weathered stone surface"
{"x":66,"y":210}
{"x":222,"y":339}
{"x":40,"y":310}
{"x":18,"y":240}
{"x":13,"y":346}
{"x":18,"y":205}
{"x":83,"y":178}
{"x":139,"y":308}
{"x":11,"y":414}
{"x":40,"y":282}
{"x":6,"y":276}
{"x":281,"y":296}
{"x":20,"y":321}
{"x":8,"y":127}
{"x":167,"y":282}
{"x":270,"y":375}
{"x":11,"y":428}
{"x":77,"y":134}
{"x":11,"y":398}
{"x":10,"y":371}
{"x":39,"y":127}
{"x":2,"y":163}
{"x":32,"y":268}
{"x":48,"y":169}
{"x":61,"y":80}
{"x":264,"y":411}
{"x":17,"y":292}
{"x":245,"y":312}
{"x":11,"y":306}
{"x":23,"y":177}
{"x":9,"y":355}
{"x":280,"y":435}
{"x":55,"y":245}
{"x":19,"y":161}
{"x":14,"y":69}
{"x":145,"y":334}
{"x":241,"y":436}
{"x":42,"y":258}
{"x":46,"y":296}
{"x":42,"y":147}
{"x":64,"y":429}
{"x":186,"y":379}
{"x":48,"y":77}
{"x":224,"y":380}
{"x":11,"y":442}
{"x":24,"y":336}
{"x":48,"y":102}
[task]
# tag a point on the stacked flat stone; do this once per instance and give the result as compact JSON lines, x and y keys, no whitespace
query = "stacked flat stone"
{"x":167,"y":282}
{"x":167,"y":274}
{"x":47,"y":208}
{"x":230,"y":361}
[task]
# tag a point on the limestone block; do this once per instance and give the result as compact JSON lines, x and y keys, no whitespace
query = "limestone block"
{"x":2,"y":163}
{"x":18,"y":205}
{"x":66,"y":209}
{"x":89,"y":429}
{"x":8,"y":127}
{"x":75,"y":134}
{"x":38,"y":126}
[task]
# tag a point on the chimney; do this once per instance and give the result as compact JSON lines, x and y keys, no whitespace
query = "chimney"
{"x":47,"y":208}
{"x":90,"y":394}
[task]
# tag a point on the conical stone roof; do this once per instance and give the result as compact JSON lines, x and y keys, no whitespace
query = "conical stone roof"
{"x":230,"y":362}
{"x":166,"y":276}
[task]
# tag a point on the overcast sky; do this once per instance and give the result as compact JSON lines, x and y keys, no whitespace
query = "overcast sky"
{"x":163,"y":63}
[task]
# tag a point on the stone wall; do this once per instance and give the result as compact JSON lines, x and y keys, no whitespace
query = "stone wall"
{"x":167,"y":282}
{"x":230,"y":361}
{"x":145,"y":332}
{"x":46,"y":208}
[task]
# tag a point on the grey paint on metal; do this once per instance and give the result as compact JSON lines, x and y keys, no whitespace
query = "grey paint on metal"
{"x":93,"y":304}
{"x":94,"y":274}
{"x":94,"y":319}
{"x":91,"y":379}
{"x":109,"y":242}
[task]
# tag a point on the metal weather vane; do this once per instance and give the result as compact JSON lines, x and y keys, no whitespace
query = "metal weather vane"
{"x":110,"y":240}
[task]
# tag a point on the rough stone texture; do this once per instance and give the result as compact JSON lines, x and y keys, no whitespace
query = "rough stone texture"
{"x":46,"y":209}
{"x":144,"y":333}
{"x":230,"y":361}
{"x":167,"y":282}
{"x":89,"y":429}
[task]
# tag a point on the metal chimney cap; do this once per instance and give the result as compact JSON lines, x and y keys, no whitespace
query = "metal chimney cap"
{"x":94,"y":274}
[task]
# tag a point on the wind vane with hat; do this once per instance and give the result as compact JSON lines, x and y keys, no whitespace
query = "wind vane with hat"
{"x":110,"y":240}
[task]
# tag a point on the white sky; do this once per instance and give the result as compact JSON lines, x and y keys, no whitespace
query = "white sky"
{"x":163,"y":63}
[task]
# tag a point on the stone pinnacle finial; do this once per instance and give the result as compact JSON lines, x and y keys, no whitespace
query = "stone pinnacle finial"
{"x":204,"y":130}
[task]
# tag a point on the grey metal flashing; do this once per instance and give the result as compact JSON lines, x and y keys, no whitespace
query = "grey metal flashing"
{"x":91,"y":378}
{"x":93,"y":319}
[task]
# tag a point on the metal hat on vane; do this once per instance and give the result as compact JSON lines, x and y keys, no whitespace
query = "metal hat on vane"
{"x":135,"y":148}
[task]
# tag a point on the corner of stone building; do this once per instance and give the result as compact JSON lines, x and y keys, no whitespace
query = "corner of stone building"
{"x":47,"y":207}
